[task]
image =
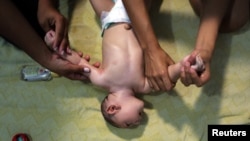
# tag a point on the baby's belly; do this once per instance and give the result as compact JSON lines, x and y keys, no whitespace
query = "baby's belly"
{"x":122,"y":55}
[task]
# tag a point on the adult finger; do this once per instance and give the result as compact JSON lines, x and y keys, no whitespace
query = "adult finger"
{"x":97,"y":64}
{"x":154,"y":85}
{"x":64,"y":47}
{"x":160,"y":84}
{"x":185,"y":75}
{"x":61,"y":29}
{"x":168,"y":85}
{"x":77,"y":72}
{"x":195,"y":78}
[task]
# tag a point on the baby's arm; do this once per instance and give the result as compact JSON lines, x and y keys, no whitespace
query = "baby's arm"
{"x":73,"y":57}
{"x":174,"y":71}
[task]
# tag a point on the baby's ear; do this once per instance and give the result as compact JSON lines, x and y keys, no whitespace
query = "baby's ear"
{"x":113,"y":109}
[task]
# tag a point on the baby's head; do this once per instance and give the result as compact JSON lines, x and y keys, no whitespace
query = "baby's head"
{"x":122,"y":112}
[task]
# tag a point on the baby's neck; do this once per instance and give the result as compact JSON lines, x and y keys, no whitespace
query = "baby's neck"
{"x":122,"y":92}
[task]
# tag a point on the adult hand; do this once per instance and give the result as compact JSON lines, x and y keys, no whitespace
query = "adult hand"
{"x":189,"y":76}
{"x":51,"y":19}
{"x":156,"y":69}
{"x":75,"y":72}
{"x":67,"y":69}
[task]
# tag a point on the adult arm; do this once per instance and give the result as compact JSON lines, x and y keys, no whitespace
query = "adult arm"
{"x":93,"y":73}
{"x":15,"y":28}
{"x":49,"y":17}
{"x":175,"y":71}
{"x":156,"y":60}
{"x":211,"y":14}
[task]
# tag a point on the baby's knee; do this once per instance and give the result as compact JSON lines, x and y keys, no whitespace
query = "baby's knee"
{"x":197,"y":6}
{"x":237,"y":17}
{"x":153,"y":6}
{"x":234,"y":24}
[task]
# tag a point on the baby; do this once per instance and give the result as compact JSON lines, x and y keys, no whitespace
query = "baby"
{"x":121,"y":72}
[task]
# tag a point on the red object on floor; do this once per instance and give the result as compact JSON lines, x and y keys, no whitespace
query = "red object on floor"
{"x":21,"y":137}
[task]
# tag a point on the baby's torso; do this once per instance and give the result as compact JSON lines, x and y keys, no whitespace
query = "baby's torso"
{"x":122,"y":58}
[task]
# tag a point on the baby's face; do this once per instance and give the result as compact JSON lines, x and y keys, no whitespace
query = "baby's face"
{"x":130,"y":114}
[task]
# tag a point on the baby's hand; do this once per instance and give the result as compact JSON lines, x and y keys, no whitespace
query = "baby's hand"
{"x":74,"y":57}
{"x":196,"y":63}
{"x":196,"y":68}
{"x":199,"y":65}
{"x":49,"y":39}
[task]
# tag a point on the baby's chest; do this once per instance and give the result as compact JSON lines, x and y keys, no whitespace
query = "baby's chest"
{"x":123,"y":75}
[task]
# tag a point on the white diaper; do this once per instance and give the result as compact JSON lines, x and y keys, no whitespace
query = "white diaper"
{"x":117,"y":14}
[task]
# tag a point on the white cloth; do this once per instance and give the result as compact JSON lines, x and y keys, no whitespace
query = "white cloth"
{"x":117,"y":14}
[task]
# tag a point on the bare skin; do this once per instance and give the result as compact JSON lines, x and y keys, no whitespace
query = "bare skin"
{"x":155,"y":58}
{"x":215,"y":16}
{"x":122,"y":71}
{"x":121,"y":75}
{"x":11,"y":21}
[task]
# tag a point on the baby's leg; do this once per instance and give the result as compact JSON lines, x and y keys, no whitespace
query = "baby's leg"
{"x":235,"y":17}
{"x":197,"y":6}
{"x":153,"y":6}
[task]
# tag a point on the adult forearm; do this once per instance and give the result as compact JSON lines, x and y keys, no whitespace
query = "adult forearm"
{"x":45,"y":6}
{"x":53,"y":3}
{"x":211,"y":18}
{"x":16,"y":29}
{"x":141,"y":24}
